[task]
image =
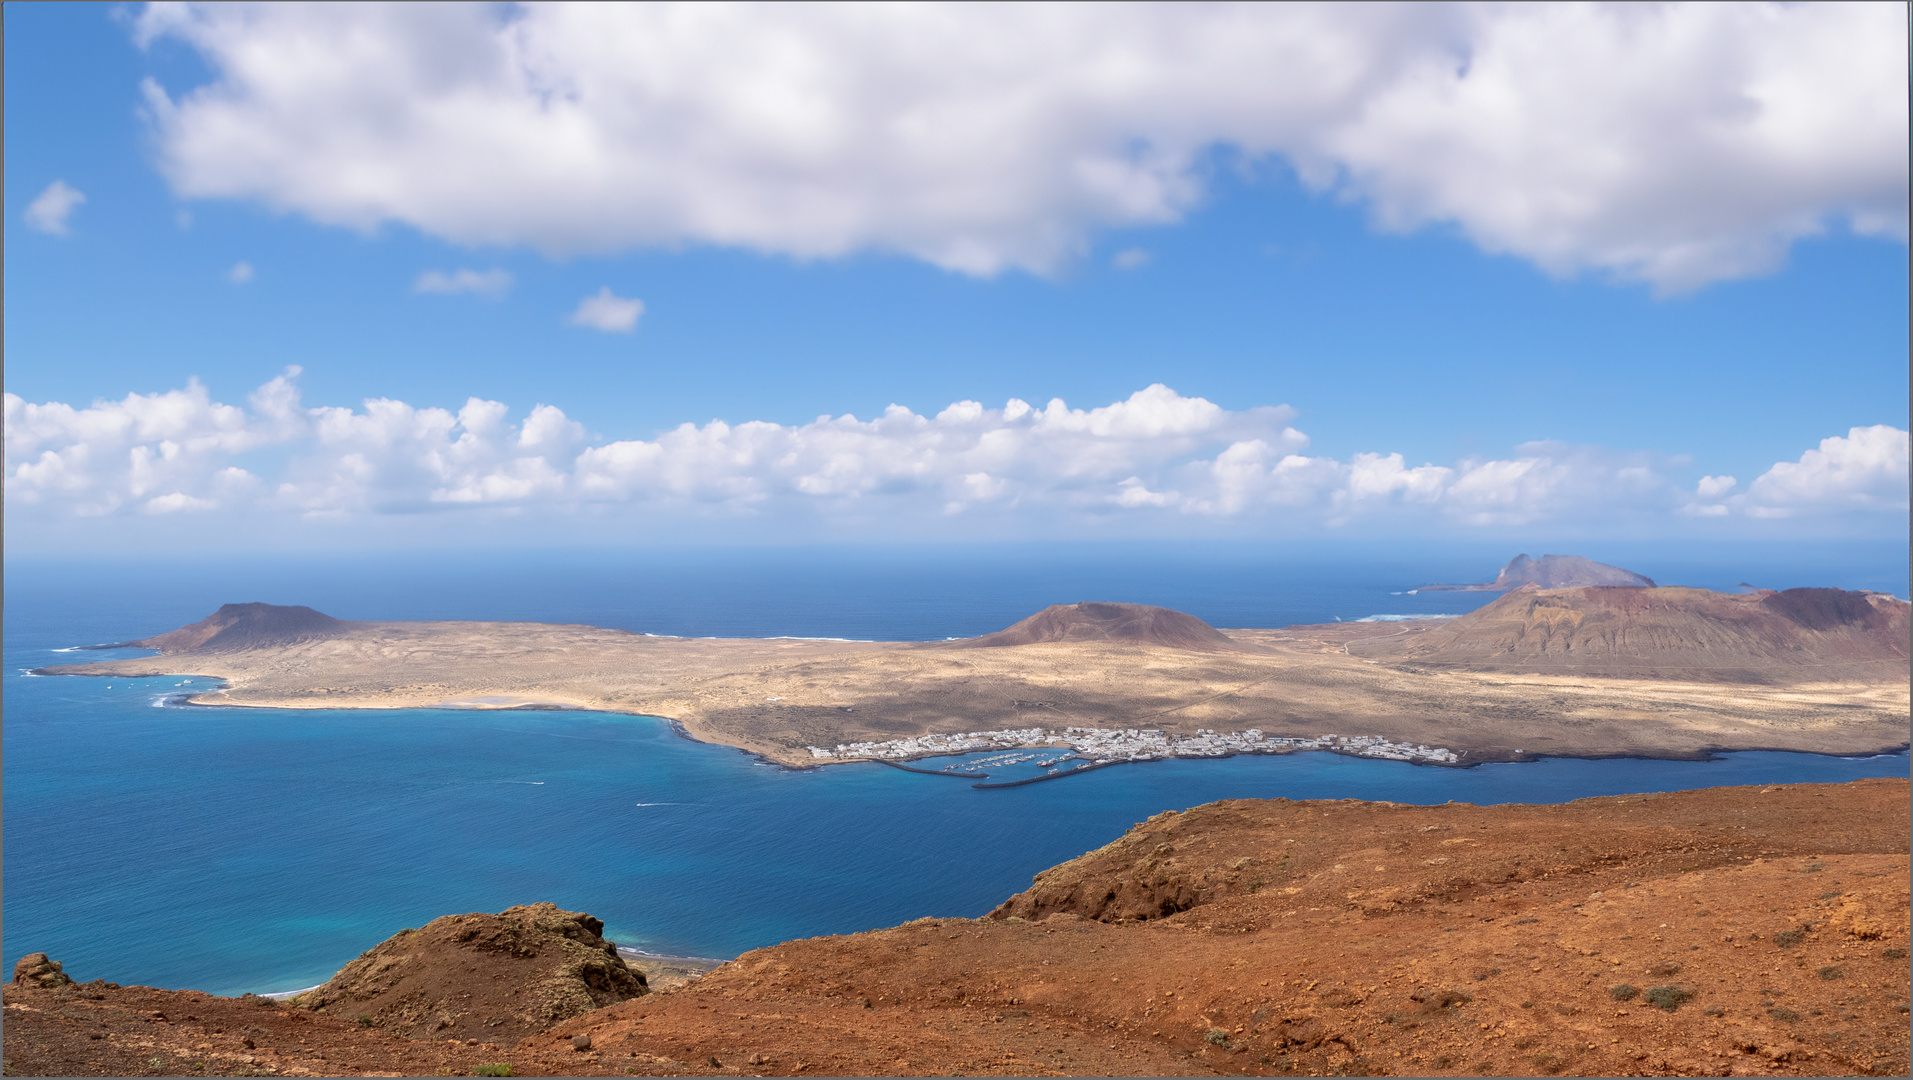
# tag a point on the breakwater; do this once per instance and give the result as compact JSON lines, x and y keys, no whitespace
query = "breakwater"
{"x":1077,"y":771}
{"x":930,"y":772}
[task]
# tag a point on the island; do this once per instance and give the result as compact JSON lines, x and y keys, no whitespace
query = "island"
{"x":1590,"y":671}
{"x":1549,"y":572}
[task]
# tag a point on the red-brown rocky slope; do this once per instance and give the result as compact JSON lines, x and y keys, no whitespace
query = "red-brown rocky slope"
{"x":1726,"y":931}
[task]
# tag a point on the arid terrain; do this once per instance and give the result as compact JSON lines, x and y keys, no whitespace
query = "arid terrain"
{"x":1595,"y":671}
{"x":1727,"y":931}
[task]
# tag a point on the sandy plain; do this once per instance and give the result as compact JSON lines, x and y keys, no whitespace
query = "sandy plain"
{"x":776,"y":697}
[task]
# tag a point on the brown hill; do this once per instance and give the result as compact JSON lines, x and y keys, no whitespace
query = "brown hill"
{"x":488,"y":976}
{"x":1727,"y":931}
{"x":243,"y":626}
{"x":1552,"y":572}
{"x":1764,"y":637}
{"x":1127,"y":624}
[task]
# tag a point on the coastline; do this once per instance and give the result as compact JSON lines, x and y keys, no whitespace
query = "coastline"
{"x":798,"y":703}
{"x":1468,"y":757}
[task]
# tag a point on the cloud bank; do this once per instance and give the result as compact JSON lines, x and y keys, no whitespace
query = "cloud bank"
{"x":1120,"y":467}
{"x":1672,"y":144}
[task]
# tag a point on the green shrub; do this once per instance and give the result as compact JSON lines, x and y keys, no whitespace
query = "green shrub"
{"x":1668,"y":998}
{"x":1623,"y":992}
{"x":1217,"y":1037}
{"x":500,"y":1069}
{"x":1831,"y":972}
{"x":1783,"y":1014}
{"x":1894,"y":954}
{"x":364,"y":1020}
{"x":1787,"y":939}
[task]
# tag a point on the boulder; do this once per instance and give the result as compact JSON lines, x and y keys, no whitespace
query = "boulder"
{"x":37,"y":969}
{"x":494,"y":977}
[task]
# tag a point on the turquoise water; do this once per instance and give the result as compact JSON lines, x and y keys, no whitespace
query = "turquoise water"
{"x":235,"y":849}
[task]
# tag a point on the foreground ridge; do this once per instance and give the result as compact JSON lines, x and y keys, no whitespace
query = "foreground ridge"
{"x":1726,"y":931}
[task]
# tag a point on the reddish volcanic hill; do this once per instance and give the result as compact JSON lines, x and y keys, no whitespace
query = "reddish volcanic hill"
{"x":1127,"y":624}
{"x":244,"y":626}
{"x":1799,"y":634}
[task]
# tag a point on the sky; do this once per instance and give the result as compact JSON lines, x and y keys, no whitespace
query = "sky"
{"x":440,"y":276}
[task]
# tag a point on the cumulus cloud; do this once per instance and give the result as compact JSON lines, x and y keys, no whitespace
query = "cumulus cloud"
{"x":1156,"y":455}
{"x":492,"y":284}
{"x":1714,"y":487}
{"x":49,"y":210}
{"x":1864,"y":469}
{"x":608,"y":312}
{"x":1673,"y":144}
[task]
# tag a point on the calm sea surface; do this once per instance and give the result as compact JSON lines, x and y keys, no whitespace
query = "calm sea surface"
{"x":234,"y":849}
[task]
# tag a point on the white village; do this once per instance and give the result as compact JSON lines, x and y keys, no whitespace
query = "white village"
{"x":1090,"y":746}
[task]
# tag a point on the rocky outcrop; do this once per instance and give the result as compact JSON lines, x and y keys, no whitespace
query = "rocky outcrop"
{"x":485,"y":976}
{"x":1126,"y":624}
{"x":37,"y":969}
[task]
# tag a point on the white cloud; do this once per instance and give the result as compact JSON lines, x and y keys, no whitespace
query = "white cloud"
{"x":608,"y":312}
{"x":1154,"y":456}
{"x":240,"y":273}
{"x":1715,"y":487}
{"x":1130,"y":259}
{"x":49,"y":210}
{"x":115,"y":455}
{"x":1674,"y":144}
{"x":492,"y":283}
{"x":1864,"y":469}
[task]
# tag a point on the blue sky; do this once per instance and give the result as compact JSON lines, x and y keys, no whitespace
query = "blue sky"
{"x":1337,"y":281}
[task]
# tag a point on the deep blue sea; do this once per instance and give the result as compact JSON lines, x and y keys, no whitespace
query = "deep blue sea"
{"x":234,"y":849}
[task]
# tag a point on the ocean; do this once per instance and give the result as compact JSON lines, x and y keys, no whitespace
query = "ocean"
{"x":230,"y":850}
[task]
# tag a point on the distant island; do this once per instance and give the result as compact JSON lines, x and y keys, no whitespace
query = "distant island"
{"x":1551,"y":572}
{"x":1588,"y":670}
